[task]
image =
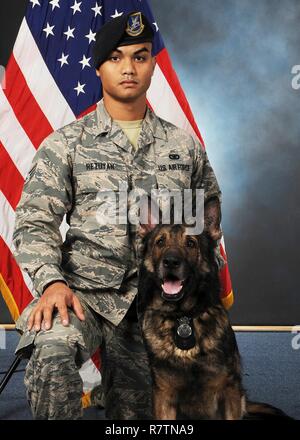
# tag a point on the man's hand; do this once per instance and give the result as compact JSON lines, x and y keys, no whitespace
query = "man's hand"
{"x":58,"y":296}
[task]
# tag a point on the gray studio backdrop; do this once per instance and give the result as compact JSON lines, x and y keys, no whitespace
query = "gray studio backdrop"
{"x":234,"y":60}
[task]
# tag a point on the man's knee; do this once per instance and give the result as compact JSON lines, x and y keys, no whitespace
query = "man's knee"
{"x":53,"y":359}
{"x":54,"y":356}
{"x":52,"y":379}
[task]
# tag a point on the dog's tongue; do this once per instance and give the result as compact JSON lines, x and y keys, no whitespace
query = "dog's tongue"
{"x":172,"y":287}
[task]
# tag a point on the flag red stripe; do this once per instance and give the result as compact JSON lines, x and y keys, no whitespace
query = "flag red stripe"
{"x":96,"y":358}
{"x":226,"y":285}
{"x":165,"y":64}
{"x":11,"y":181}
{"x":13,"y":277}
{"x":25,"y":107}
{"x":88,"y":110}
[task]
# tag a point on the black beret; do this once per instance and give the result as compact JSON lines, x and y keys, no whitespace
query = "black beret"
{"x":133,"y":28}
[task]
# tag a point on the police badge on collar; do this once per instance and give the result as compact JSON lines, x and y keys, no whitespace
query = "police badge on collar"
{"x":134,"y":24}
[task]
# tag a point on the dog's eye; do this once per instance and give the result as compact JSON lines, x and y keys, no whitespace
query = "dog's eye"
{"x":160,"y":241}
{"x":190,"y":243}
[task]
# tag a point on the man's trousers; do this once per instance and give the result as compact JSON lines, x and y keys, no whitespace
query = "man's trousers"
{"x":52,"y":379}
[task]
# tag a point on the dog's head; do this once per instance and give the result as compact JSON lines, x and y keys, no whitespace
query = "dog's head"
{"x":178,"y":261}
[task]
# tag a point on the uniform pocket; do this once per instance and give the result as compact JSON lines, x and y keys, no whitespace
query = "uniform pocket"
{"x":101,"y":202}
{"x":89,"y":273}
{"x":94,"y":181}
{"x":174,"y":174}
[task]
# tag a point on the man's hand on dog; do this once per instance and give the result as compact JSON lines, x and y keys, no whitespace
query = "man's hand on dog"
{"x":56,"y":296}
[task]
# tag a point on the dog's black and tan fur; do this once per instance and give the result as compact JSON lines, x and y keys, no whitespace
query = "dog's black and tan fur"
{"x":205,"y":381}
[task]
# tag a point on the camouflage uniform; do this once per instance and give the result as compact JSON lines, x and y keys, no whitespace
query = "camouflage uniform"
{"x":98,"y":262}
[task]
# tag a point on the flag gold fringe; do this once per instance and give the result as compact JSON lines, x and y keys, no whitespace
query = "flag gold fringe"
{"x":227,"y":301}
{"x":9,"y":299}
{"x":86,"y":400}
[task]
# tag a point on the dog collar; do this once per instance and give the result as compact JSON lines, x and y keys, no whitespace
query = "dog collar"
{"x":184,"y":333}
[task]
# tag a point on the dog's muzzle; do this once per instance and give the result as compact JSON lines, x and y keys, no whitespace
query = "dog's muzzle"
{"x":172,"y":274}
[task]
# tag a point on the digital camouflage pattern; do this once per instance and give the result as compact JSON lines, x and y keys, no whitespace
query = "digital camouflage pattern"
{"x":52,"y":379}
{"x":127,"y":384}
{"x":99,"y":261}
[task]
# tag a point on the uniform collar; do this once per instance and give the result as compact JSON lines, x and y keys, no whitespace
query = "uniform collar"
{"x":151,"y":127}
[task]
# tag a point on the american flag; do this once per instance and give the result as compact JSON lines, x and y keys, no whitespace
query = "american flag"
{"x":50,"y":82}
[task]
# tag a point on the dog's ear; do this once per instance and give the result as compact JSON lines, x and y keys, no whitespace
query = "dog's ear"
{"x":212,"y":218}
{"x":149,"y":216}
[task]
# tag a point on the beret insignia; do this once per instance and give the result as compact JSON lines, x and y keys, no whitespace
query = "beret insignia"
{"x":135,"y":25}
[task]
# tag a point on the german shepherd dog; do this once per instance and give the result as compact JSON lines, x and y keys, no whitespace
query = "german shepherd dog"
{"x":193,"y":354}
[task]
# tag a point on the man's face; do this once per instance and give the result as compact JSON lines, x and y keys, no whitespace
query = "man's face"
{"x":126,"y":74}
